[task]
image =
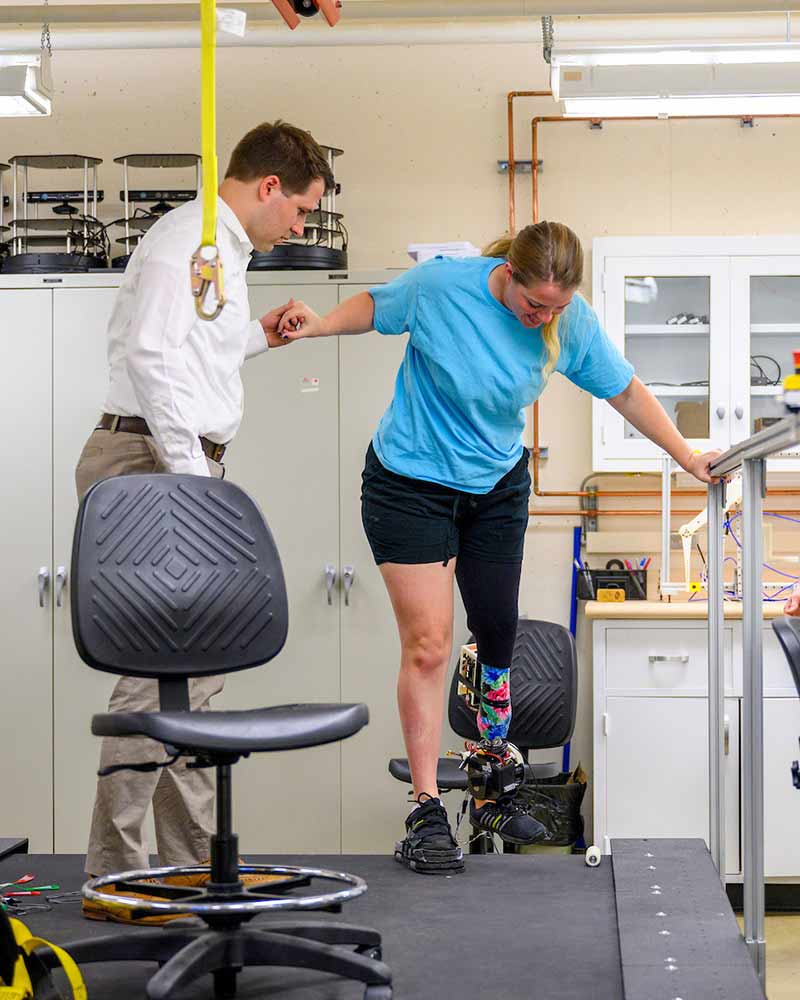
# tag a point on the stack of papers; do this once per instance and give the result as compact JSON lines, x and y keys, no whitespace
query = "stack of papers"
{"x":424,"y":251}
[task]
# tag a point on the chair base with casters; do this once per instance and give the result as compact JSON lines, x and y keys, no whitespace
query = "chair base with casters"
{"x":227,"y":944}
{"x":544,"y":684}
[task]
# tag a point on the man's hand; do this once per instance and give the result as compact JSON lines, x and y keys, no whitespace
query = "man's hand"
{"x":792,"y":606}
{"x":269,"y":324}
{"x":298,"y":321}
{"x":698,"y":466}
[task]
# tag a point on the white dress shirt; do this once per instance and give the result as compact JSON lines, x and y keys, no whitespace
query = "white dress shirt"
{"x":179,"y":372}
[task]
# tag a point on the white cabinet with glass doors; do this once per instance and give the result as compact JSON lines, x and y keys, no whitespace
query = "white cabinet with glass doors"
{"x":709,"y":324}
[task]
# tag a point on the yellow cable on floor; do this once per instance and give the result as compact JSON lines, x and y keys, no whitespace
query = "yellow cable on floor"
{"x":205,"y":265}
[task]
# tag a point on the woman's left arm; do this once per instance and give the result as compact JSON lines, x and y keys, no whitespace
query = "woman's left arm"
{"x":641,"y":409}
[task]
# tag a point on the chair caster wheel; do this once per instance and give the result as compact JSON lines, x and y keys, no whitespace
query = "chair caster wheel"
{"x":378,"y":993}
{"x":376,"y":953}
{"x":593,"y":857}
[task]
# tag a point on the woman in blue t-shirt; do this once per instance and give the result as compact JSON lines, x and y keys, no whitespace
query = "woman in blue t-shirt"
{"x":446,"y":484}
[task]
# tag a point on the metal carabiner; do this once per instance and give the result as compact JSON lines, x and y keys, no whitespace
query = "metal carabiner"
{"x":205,"y":269}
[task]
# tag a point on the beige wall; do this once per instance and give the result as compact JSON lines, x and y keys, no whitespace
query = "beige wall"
{"x":422,"y":128}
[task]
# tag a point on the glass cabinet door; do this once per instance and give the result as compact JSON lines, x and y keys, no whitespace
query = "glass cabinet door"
{"x":670,"y":318}
{"x":766,"y":309}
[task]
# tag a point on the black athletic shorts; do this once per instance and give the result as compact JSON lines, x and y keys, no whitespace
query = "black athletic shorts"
{"x":413,"y":521}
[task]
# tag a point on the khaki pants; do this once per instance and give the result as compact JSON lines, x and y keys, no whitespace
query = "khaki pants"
{"x":183,"y":799}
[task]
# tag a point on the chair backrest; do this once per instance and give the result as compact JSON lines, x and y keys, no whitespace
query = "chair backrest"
{"x":175,"y":576}
{"x":788,"y":633}
{"x":544,"y":689}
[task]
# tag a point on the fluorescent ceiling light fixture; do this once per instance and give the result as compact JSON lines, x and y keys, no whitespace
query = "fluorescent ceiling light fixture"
{"x":653,"y":81}
{"x":26,"y":88}
{"x":677,"y":107}
{"x":768,"y":53}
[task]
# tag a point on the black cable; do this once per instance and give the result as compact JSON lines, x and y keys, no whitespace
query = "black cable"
{"x":766,"y":357}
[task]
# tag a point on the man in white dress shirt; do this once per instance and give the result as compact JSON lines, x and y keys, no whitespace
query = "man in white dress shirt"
{"x":174,"y":402}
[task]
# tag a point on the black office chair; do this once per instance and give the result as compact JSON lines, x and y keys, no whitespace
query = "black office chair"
{"x":544,"y":692}
{"x":175,"y":577}
{"x":788,"y":633}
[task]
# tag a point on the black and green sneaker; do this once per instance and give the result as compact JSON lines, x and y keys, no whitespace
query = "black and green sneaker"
{"x":429,"y":846}
{"x":507,"y":819}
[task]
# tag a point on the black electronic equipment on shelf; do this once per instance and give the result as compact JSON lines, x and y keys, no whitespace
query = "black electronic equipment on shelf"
{"x":145,"y":195}
{"x":70,"y":240}
{"x":323,"y":245}
{"x":4,"y":203}
{"x":159,"y":200}
{"x":633,"y":582}
{"x":48,"y":197}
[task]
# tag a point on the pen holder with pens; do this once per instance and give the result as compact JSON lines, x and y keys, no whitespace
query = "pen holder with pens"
{"x":632,"y":581}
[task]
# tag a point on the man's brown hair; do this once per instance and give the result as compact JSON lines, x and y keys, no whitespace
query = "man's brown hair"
{"x":288,"y":152}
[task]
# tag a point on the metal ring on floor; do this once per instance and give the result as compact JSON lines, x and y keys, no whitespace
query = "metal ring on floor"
{"x":222,"y":907}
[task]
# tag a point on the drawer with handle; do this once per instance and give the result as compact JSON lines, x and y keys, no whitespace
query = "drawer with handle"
{"x":665,"y":659}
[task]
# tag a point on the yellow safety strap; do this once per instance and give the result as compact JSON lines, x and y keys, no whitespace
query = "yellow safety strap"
{"x":206,"y":265}
{"x":21,"y":988}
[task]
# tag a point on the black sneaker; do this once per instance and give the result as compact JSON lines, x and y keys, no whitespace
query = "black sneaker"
{"x":508,"y":820}
{"x":429,"y":846}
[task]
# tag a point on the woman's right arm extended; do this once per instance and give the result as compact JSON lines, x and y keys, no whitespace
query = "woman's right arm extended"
{"x":355,"y":315}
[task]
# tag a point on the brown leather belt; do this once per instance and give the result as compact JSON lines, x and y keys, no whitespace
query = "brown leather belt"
{"x":138,"y":425}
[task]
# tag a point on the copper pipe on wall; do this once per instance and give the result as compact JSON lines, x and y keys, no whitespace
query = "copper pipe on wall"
{"x":511,"y":161}
{"x":535,"y":451}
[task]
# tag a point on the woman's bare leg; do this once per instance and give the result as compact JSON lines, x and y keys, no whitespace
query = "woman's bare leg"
{"x":422,"y":598}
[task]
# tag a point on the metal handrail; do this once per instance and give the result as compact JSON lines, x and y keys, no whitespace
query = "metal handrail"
{"x":777,"y":437}
{"x":751,"y":456}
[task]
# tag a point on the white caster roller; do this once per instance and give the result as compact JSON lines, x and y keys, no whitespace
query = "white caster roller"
{"x":593,"y":857}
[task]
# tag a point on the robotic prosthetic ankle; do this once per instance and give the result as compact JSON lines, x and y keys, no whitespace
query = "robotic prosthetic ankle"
{"x":495,"y":769}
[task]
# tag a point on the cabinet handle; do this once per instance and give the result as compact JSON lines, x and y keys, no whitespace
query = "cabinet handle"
{"x":680,"y":658}
{"x":606,"y":724}
{"x":348,"y":575}
{"x":43,"y":579}
{"x":61,"y":579}
{"x":721,"y":412}
{"x":739,"y":411}
{"x":726,"y":736}
{"x":330,"y":580}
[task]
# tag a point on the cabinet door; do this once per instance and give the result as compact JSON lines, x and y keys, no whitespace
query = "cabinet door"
{"x":765,"y":313}
{"x":781,"y":798}
{"x":26,"y":704}
{"x":80,"y":381}
{"x":656,"y":770}
{"x":286,"y":455}
{"x":373,"y":802}
{"x":670,"y":317}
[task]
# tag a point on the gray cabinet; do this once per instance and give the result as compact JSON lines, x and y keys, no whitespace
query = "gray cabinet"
{"x":651,"y":737}
{"x":651,"y":732}
{"x":310,"y":411}
{"x":80,"y":317}
{"x":286,"y":455}
{"x":26,"y":582}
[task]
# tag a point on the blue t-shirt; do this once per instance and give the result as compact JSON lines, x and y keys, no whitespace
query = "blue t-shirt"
{"x":470,"y":369}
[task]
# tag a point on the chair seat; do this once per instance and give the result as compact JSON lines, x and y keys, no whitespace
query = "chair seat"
{"x":280,"y":727}
{"x":448,"y":773}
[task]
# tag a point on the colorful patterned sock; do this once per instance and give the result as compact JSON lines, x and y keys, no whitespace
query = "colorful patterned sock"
{"x":494,"y":714}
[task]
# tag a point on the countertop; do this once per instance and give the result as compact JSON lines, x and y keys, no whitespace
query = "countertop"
{"x":664,"y":610}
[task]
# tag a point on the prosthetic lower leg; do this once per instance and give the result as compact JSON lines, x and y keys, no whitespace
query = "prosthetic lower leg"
{"x":495,"y":768}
